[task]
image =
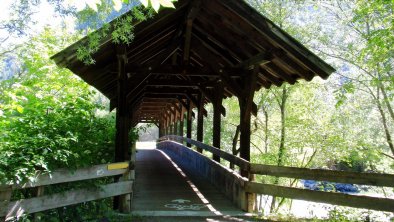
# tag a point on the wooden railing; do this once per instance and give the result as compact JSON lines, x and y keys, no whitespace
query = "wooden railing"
{"x":358,"y":201}
{"x":14,"y":209}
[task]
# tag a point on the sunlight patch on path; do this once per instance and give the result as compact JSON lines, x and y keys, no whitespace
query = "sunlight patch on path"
{"x":146,"y":145}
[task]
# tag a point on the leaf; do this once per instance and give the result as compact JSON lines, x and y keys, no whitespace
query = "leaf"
{"x":19,"y":109}
{"x":93,"y":4}
{"x":167,"y":3}
{"x":117,"y":5}
{"x":145,"y":2}
{"x":155,"y":4}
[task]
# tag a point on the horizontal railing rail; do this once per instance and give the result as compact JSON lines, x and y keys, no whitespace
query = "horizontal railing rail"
{"x":359,"y":201}
{"x":374,"y":179}
{"x":14,"y":209}
{"x":243,"y":164}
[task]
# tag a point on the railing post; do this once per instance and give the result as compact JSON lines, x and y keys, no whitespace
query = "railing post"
{"x":189,"y":122}
{"x":5,"y":197}
{"x":251,"y":197}
{"x":200,"y":120}
{"x":126,"y":200}
{"x":39,"y":192}
{"x":217,"y":114}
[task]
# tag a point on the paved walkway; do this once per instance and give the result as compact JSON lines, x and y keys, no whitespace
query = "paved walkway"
{"x":163,"y":192}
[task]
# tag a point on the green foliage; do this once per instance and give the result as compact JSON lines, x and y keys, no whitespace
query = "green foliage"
{"x":51,"y":119}
{"x":120,"y":30}
{"x":48,"y":118}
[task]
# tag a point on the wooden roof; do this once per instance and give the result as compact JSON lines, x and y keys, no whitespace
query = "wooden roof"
{"x":182,"y":52}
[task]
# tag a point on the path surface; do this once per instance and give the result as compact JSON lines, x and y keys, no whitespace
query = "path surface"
{"x":163,"y":192}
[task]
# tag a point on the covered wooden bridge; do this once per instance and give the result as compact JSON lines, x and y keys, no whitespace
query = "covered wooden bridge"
{"x":204,"y":51}
{"x":200,"y":52}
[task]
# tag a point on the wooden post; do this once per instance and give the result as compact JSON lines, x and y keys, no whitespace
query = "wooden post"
{"x":5,"y":197}
{"x":217,"y":104}
{"x":129,"y":175}
{"x":245,"y":132}
{"x":172,"y":120}
{"x":122,"y":118}
{"x":181,"y":122}
{"x":245,"y":106}
{"x":161,"y":125}
{"x":39,"y":193}
{"x":200,"y":120}
{"x":189,"y":121}
{"x":175,"y":123}
{"x":165,"y":124}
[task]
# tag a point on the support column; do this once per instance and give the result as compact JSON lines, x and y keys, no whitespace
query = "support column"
{"x":122,"y":122}
{"x":217,"y":104}
{"x":182,"y":123}
{"x":189,"y":121}
{"x":171,"y":123}
{"x":245,"y":105}
{"x":165,"y":124}
{"x":175,"y":122}
{"x":160,"y":128}
{"x":122,"y":115}
{"x":200,"y":120}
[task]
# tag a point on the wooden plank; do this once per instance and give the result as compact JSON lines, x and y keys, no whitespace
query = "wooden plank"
{"x":243,"y":164}
{"x":373,"y":203}
{"x":38,"y":204}
{"x":66,"y":175}
{"x":375,"y":179}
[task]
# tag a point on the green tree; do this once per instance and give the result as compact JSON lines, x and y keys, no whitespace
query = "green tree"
{"x":47,"y":116}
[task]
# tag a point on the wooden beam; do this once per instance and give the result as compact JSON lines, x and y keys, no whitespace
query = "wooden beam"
{"x":200,"y":120}
{"x":217,"y":103}
{"x":261,"y":58}
{"x":268,"y":29}
{"x":122,"y":115}
{"x":65,"y":175}
{"x":373,"y":179}
{"x":373,"y":203}
{"x":182,"y":123}
{"x":37,"y":204}
{"x":245,"y":105}
{"x":192,"y":14}
{"x":212,"y":99}
{"x":158,"y":61}
{"x":189,"y":122}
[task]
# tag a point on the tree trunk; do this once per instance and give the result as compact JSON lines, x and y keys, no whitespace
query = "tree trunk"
{"x":265,"y":130}
{"x":282,"y":106}
{"x":386,"y":100}
{"x":384,"y":122}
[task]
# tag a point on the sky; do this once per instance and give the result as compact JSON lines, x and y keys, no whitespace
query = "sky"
{"x":44,"y":16}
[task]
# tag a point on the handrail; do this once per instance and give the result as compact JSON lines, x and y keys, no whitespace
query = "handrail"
{"x":9,"y":210}
{"x":375,"y":179}
{"x":242,"y":163}
{"x":66,"y":175}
